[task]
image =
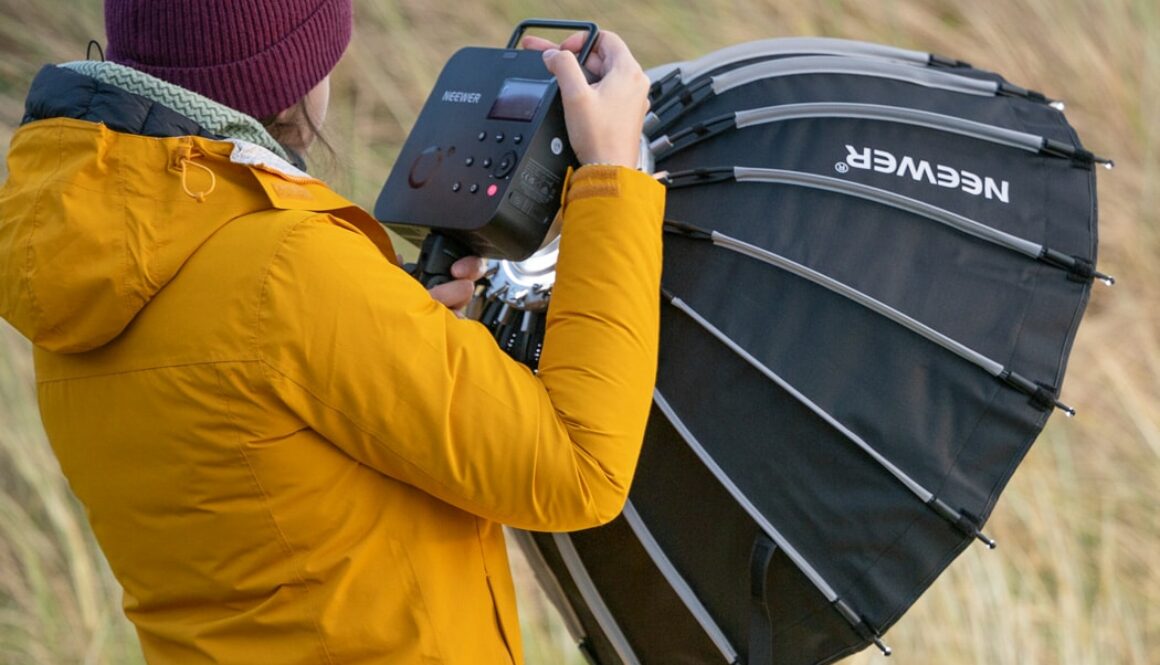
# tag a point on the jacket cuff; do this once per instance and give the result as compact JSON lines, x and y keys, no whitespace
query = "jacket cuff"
{"x":600,"y":180}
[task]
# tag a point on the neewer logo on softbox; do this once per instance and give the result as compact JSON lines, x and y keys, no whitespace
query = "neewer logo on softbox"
{"x":873,"y":159}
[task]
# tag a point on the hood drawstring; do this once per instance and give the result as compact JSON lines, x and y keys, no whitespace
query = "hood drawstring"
{"x":182,"y":161}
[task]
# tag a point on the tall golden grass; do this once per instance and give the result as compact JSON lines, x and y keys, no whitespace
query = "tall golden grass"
{"x":1075,"y":580}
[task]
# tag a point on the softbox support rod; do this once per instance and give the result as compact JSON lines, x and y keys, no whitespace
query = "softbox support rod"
{"x":678,"y":583}
{"x":928,"y":497}
{"x":855,"y":620}
{"x":1076,"y":267}
{"x":1041,"y":395}
{"x":667,"y":145}
{"x":686,"y":97}
{"x":592,"y":598}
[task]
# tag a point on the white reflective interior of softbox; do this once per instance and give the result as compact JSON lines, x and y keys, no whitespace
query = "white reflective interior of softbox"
{"x":527,"y":284}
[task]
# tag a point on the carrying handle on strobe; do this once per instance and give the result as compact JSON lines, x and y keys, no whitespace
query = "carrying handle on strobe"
{"x":556,"y":24}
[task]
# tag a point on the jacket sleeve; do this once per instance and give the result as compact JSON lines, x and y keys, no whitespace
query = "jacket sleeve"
{"x":367,"y":359}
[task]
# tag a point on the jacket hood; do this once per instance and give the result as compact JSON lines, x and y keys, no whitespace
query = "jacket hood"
{"x":95,"y":221}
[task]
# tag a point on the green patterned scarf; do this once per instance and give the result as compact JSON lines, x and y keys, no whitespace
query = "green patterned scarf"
{"x":214,"y":117}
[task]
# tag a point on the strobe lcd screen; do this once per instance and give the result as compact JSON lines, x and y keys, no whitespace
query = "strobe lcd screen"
{"x":518,"y":100}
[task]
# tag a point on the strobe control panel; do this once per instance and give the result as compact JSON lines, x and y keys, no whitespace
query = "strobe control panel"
{"x":486,"y":159}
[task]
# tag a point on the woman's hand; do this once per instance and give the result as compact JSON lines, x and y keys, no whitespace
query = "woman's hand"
{"x":604,"y":124}
{"x":457,"y":293}
{"x":604,"y":118}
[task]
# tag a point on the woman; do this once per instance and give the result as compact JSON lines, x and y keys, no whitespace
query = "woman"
{"x":289,"y":451}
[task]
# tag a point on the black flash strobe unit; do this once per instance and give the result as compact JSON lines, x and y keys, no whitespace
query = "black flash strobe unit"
{"x":484,"y":164}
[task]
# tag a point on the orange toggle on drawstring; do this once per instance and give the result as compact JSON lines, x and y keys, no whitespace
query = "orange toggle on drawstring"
{"x":185,"y":156}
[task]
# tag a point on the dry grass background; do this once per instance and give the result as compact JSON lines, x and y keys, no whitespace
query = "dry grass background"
{"x":1075,"y":580}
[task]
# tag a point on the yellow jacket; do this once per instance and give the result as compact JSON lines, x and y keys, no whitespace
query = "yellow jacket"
{"x":289,"y":452}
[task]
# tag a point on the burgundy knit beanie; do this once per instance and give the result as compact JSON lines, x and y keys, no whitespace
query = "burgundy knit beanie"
{"x":257,"y":56}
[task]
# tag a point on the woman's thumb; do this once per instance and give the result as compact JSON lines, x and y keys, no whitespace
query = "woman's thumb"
{"x":563,"y":65}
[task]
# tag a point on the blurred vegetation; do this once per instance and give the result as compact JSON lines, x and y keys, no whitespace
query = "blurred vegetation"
{"x":1074,"y":580}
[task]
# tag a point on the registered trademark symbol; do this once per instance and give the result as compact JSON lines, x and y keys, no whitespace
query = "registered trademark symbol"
{"x":841,"y":167}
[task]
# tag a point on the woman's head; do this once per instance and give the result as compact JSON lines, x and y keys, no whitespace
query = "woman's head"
{"x":261,"y":57}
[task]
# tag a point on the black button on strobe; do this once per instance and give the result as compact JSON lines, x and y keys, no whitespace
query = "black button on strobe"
{"x":469,"y":161}
{"x":474,"y":188}
{"x":487,"y":162}
{"x":455,"y":186}
{"x":506,"y":164}
{"x":482,"y":136}
{"x":518,"y":139}
{"x":499,"y":137}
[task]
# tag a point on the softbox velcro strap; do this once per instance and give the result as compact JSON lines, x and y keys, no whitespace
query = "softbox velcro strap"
{"x":760,"y":626}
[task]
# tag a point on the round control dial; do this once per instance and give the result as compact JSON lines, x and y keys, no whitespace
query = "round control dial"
{"x":505,"y":165}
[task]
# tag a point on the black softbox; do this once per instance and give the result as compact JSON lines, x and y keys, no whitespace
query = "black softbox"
{"x":875,"y":264}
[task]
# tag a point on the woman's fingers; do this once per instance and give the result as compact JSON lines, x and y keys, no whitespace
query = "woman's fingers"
{"x":539,"y":43}
{"x":455,"y":295}
{"x":470,"y":268}
{"x":563,"y":65}
{"x":573,"y":43}
{"x":613,"y":52}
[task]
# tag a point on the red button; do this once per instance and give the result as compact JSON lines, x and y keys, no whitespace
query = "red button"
{"x":492,"y":189}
